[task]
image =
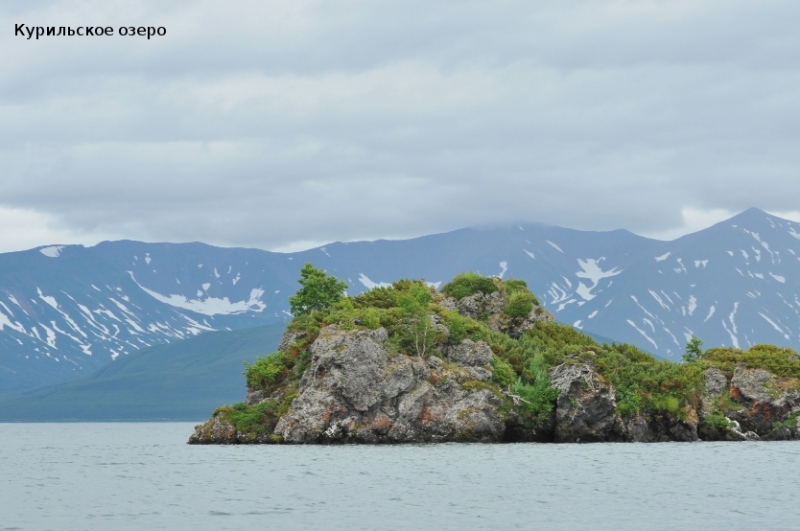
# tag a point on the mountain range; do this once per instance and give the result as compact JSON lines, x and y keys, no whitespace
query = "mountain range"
{"x":68,"y":310}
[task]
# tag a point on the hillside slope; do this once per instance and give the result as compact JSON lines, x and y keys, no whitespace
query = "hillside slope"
{"x":177,"y":381}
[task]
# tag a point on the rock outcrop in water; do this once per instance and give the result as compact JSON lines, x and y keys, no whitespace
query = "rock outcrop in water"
{"x":482,"y":361}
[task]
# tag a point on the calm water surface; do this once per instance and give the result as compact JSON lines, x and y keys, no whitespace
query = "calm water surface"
{"x":144,"y":476}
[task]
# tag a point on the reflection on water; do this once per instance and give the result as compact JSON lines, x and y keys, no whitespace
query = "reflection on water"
{"x":144,"y":476}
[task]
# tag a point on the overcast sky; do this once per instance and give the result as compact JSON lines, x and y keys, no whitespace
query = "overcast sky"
{"x":284,"y":124}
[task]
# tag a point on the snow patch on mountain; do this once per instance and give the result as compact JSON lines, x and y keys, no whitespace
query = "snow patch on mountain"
{"x":591,"y":270}
{"x":54,"y":251}
{"x":210,"y":305}
{"x":369,"y":284}
{"x":644,"y":334}
{"x":692,"y":304}
{"x":775,"y":326}
{"x":554,"y":246}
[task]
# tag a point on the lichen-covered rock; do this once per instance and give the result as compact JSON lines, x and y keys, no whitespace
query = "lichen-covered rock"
{"x":767,"y":400}
{"x":469,"y":353}
{"x":489,"y":307}
{"x":715,"y":381}
{"x":214,"y":431}
{"x":754,"y":405}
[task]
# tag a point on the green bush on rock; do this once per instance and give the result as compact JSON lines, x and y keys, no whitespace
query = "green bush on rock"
{"x":519,"y":304}
{"x":265,"y":370}
{"x":467,"y":284}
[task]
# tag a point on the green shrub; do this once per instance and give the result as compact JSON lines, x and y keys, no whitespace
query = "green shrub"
{"x":380,"y":297}
{"x":538,"y":397}
{"x":790,"y":423}
{"x":467,"y":284}
{"x":780,"y":361}
{"x":371,"y":319}
{"x":514,"y":285}
{"x":718,"y":422}
{"x":265,"y":371}
{"x":628,"y":400}
{"x":519,"y":304}
{"x":252,"y":419}
{"x":461,"y":327}
{"x":457,"y":325}
{"x":504,"y":374}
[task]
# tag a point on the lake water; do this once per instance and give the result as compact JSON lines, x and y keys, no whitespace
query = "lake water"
{"x":144,"y":476}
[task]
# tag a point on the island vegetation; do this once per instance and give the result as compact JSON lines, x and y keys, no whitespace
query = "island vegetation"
{"x":482,"y":360}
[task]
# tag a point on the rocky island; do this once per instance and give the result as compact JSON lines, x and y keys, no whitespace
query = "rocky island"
{"x":482,"y":361}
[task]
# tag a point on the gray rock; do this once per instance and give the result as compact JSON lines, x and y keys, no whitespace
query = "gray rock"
{"x":587,"y":413}
{"x":479,"y":373}
{"x":255,"y":396}
{"x":765,"y":400}
{"x":751,"y":384}
{"x":715,"y":381}
{"x":289,"y":338}
{"x":469,"y":353}
{"x":355,"y":391}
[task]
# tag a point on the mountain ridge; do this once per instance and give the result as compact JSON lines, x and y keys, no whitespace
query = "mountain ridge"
{"x":66,"y":310}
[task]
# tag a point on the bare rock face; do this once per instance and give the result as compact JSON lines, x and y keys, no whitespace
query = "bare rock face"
{"x":586,"y":408}
{"x":663,"y":427}
{"x":356,"y":391}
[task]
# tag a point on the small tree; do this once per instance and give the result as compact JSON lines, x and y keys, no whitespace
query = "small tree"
{"x":414,"y":309}
{"x":319,"y":291}
{"x":693,"y":350}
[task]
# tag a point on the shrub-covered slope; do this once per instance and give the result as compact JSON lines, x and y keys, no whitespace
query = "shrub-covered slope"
{"x":481,"y":360}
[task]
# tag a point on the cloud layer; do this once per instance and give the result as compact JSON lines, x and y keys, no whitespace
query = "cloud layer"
{"x":284,"y":123}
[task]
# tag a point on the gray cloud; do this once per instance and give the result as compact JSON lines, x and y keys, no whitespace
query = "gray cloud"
{"x":276,"y":123}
